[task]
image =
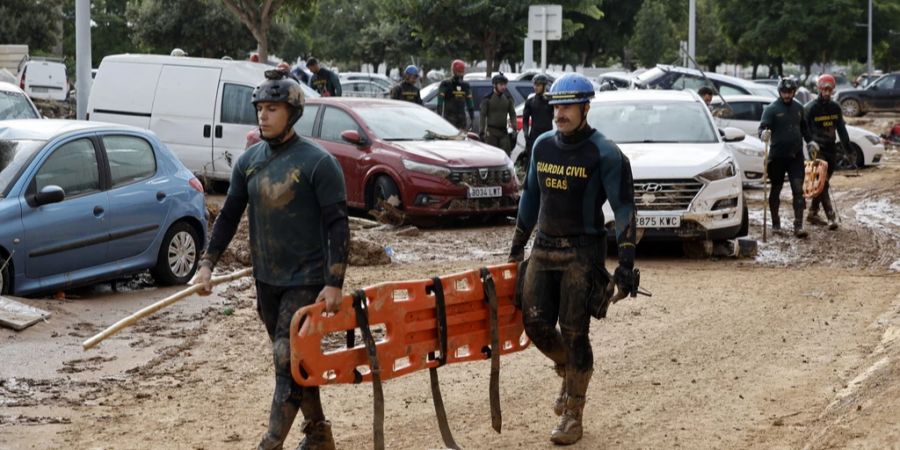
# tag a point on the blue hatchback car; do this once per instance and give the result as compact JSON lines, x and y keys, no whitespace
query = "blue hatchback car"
{"x":82,"y":202}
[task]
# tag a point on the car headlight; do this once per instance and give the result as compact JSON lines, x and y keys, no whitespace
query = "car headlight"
{"x":426,"y":168}
{"x":752,"y":152}
{"x":875,"y":140}
{"x":724,"y":170}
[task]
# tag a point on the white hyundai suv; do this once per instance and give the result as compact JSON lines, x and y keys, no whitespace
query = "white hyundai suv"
{"x":687,"y":185}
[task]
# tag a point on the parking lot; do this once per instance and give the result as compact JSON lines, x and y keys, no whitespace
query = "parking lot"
{"x":794,"y":348}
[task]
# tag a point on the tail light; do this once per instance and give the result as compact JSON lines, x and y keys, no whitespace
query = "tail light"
{"x":22,"y":80}
{"x":196,"y":184}
{"x":518,"y":122}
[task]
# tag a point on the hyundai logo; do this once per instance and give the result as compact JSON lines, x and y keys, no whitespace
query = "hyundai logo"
{"x":483,"y":173}
{"x":652,"y":187}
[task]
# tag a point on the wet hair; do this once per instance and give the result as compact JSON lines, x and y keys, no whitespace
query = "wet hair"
{"x":312,"y":62}
{"x":706,"y":90}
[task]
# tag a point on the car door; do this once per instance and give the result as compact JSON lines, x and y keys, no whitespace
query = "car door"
{"x":334,"y":122}
{"x":72,"y":234}
{"x":183,"y":112}
{"x":745,"y":116}
{"x":235,"y":117}
{"x":138,"y":199}
{"x":884,"y":94}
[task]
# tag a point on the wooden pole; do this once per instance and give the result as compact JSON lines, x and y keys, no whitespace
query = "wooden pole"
{"x":149,"y":310}
{"x":765,"y":190}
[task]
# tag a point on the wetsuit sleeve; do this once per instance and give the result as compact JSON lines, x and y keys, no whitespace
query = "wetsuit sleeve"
{"x":440,"y":99}
{"x":529,"y":206}
{"x":470,"y":104}
{"x":619,"y":186}
{"x":484,"y":110}
{"x":337,"y":242}
{"x":229,"y":218}
{"x":526,"y":116}
{"x":804,"y":126}
{"x":765,"y":123}
{"x":328,"y":183}
{"x":512,"y":111}
{"x":336,"y":83}
{"x":842,"y":130}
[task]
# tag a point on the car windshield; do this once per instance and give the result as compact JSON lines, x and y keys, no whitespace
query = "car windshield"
{"x":14,"y":154}
{"x":405,"y":123}
{"x":764,"y":90}
{"x":650,"y":122}
{"x":14,"y":105}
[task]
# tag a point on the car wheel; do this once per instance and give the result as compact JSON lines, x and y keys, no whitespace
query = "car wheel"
{"x":851,"y":107}
{"x":745,"y":222}
{"x":848,"y":159}
{"x":385,"y":191}
{"x":178,"y":255}
{"x":4,"y":276}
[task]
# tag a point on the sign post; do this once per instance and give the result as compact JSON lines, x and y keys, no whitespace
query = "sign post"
{"x":544,"y":23}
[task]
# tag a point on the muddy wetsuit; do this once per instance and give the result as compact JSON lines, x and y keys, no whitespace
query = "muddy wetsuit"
{"x":495,"y":110}
{"x":789,"y":130}
{"x":298,"y":243}
{"x":326,"y":83}
{"x":455,"y":102}
{"x":536,"y":120}
{"x":826,"y":123}
{"x":406,"y":91}
{"x":568,"y":182}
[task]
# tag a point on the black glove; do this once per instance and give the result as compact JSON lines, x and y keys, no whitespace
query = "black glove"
{"x":517,"y":250}
{"x":625,"y":279}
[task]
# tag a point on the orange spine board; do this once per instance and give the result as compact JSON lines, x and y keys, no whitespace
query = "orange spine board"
{"x":406,"y":309}
{"x":814,"y":178}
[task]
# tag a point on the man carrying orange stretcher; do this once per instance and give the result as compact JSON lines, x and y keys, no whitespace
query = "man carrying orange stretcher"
{"x":573,"y":172}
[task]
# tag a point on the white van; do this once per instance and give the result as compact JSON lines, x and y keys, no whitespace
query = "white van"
{"x":44,"y":80}
{"x":200,"y":108}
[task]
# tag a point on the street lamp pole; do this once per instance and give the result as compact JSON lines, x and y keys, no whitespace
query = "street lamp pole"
{"x":692,"y":31}
{"x":82,"y":56}
{"x":869,"y":56}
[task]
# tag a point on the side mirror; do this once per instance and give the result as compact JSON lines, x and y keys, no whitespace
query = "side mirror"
{"x":353,"y":137}
{"x":49,"y":194}
{"x":473,"y":136}
{"x":732,"y":134}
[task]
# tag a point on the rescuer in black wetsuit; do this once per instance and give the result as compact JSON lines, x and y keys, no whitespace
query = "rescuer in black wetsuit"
{"x":454,"y":101}
{"x":573,"y":173}
{"x":407,"y":89}
{"x":537,"y":118}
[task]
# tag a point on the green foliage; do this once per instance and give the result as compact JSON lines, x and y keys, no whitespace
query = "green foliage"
{"x":654,"y":40}
{"x":32,"y":22}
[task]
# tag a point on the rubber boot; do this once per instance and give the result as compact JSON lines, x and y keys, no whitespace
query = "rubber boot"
{"x":776,"y":220}
{"x":318,"y":436}
{"x":560,"y":404}
{"x":829,"y":210}
{"x":281,"y":417}
{"x":812,"y":216}
{"x":569,"y":429}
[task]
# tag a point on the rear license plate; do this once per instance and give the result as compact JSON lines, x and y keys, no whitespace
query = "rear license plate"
{"x":39,"y":90}
{"x":485,"y":192}
{"x":659,"y":221}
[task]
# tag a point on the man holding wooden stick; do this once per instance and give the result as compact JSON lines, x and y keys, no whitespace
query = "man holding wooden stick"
{"x":298,"y":243}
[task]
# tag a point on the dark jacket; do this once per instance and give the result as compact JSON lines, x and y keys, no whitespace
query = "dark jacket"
{"x":406,"y":91}
{"x":826,"y":123}
{"x":789,"y":128}
{"x":326,"y":83}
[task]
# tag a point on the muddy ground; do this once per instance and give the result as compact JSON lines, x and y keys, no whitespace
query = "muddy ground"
{"x":798,"y":347}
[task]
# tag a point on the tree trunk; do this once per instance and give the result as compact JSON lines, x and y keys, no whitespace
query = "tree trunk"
{"x":755,"y":69}
{"x":488,"y":60}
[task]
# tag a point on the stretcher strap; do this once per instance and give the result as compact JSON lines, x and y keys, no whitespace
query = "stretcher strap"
{"x":490,"y":296}
{"x":440,"y":308}
{"x":362,"y":319}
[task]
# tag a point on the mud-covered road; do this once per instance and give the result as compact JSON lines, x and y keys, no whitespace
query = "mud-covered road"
{"x":798,"y":347}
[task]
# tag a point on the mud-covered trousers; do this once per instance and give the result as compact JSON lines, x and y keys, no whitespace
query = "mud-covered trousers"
{"x":276,"y":307}
{"x":829,"y":155}
{"x":559,"y":284}
{"x":793,"y":168}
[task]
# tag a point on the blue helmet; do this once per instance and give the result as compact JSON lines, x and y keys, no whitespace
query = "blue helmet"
{"x":571,"y":88}
{"x":411,"y":70}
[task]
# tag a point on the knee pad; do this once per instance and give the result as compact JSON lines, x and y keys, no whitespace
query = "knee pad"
{"x":542,"y":334}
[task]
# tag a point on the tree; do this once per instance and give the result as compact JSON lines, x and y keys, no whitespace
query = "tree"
{"x":654,"y":38}
{"x":712,"y":46}
{"x":258,"y":16}
{"x":604,"y":37}
{"x":31,"y":22}
{"x":195,"y":26}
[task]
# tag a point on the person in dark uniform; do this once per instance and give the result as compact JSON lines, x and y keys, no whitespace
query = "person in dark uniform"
{"x":295,"y":190}
{"x":454,"y":99}
{"x":574,"y":171}
{"x":784,"y":126}
{"x":826,"y":123}
{"x":537,"y":118}
{"x":498,"y":113}
{"x":324,"y":81}
{"x":407,"y":89}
